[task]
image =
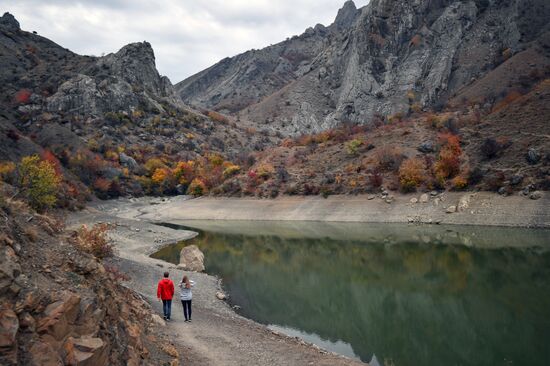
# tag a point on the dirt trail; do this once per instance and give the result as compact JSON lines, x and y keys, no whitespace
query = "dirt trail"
{"x":217,"y":335}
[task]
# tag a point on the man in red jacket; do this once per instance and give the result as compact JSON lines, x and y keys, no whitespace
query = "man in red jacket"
{"x":165,"y":292}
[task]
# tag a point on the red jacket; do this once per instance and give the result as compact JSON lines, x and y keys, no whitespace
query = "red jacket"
{"x":165,"y":289}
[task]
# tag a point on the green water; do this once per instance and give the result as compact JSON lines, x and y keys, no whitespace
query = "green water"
{"x":409,"y":295}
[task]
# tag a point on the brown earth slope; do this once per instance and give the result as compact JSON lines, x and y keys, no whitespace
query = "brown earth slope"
{"x":60,"y":306}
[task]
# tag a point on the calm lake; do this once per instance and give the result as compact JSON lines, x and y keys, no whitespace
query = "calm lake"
{"x":411,"y":295}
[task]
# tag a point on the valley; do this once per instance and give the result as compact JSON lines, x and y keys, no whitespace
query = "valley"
{"x":373,"y":190}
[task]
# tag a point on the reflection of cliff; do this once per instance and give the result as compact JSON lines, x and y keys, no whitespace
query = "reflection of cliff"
{"x":431,"y":304}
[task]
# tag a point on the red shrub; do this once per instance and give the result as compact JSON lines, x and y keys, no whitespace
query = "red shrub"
{"x":23,"y":96}
{"x":448,"y":164}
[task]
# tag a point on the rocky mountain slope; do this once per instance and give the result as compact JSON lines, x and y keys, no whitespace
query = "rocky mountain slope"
{"x":389,"y":57}
{"x":103,"y":118}
{"x":61,"y":306}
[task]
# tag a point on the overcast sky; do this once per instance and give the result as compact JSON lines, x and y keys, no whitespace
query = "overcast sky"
{"x":187,"y":35}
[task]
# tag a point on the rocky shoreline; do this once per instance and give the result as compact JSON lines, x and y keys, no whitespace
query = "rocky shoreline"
{"x":454,"y":208}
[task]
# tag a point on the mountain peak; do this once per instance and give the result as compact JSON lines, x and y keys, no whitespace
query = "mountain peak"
{"x":8,"y":22}
{"x":140,"y":50}
{"x":346,"y":15}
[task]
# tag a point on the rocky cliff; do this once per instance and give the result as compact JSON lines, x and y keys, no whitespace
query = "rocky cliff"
{"x":385,"y":58}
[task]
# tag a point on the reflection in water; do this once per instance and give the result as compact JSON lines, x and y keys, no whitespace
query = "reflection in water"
{"x":406,"y":298}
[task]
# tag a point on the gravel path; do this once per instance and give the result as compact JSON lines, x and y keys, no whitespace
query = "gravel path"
{"x":217,"y":335}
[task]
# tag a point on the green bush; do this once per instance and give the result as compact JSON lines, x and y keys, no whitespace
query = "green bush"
{"x":352,"y":147}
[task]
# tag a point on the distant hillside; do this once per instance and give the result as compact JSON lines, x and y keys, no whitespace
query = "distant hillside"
{"x":391,"y":56}
{"x":107,"y":123}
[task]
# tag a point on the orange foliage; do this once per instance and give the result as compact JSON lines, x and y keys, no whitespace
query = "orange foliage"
{"x":217,"y":117}
{"x":102,"y":185}
{"x":412,"y":173}
{"x":512,"y":96}
{"x":459,"y":182}
{"x":160,"y":175}
{"x":52,"y":159}
{"x":448,"y":164}
{"x":197,"y":187}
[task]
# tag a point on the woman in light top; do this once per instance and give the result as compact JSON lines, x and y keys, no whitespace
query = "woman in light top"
{"x":186,"y":295}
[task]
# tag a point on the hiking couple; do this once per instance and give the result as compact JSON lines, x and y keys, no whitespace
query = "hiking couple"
{"x":165,"y":292}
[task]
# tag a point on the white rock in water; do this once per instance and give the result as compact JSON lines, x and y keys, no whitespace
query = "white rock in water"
{"x":191,"y":259}
{"x":220,"y":295}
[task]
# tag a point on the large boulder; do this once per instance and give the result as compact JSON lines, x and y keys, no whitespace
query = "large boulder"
{"x":60,"y":316}
{"x":191,"y":259}
{"x":128,"y":162}
{"x":9,"y":325}
{"x":9,"y":268}
{"x":85,"y":351}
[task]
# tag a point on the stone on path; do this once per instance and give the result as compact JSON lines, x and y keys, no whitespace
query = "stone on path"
{"x":451,"y":209}
{"x":424,"y":198}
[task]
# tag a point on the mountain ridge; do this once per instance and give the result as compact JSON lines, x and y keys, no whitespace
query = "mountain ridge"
{"x":391,"y":55}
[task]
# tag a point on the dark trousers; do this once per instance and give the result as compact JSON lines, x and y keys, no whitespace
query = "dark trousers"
{"x":186,"y":309}
{"x":167,"y":308}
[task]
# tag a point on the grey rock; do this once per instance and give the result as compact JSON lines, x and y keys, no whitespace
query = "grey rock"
{"x":536,"y":195}
{"x":532,"y":156}
{"x":128,"y":162}
{"x":414,"y":200}
{"x":347,"y":15}
{"x":451,"y":209}
{"x":181,"y":189}
{"x":516,"y":179}
{"x":464,"y":202}
{"x":364,"y":63}
{"x":424,"y":198}
{"x":9,"y":23}
{"x":426,"y":147}
{"x":119,"y":82}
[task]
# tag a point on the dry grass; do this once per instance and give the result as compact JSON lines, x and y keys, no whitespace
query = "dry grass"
{"x":94,"y":240}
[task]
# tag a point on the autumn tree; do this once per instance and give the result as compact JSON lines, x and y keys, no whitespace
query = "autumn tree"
{"x":412,"y":173}
{"x":39,"y":181}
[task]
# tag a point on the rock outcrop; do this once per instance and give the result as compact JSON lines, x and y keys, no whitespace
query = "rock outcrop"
{"x":191,"y":259}
{"x":9,"y":23}
{"x":124,"y":81}
{"x":60,"y":306}
{"x":388,"y":57}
